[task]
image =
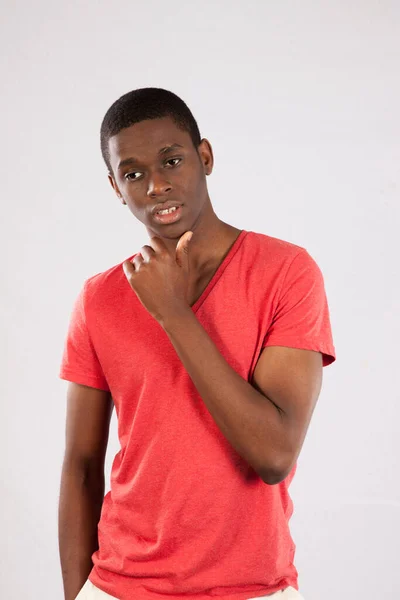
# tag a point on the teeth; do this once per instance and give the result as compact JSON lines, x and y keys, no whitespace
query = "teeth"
{"x":167,"y":210}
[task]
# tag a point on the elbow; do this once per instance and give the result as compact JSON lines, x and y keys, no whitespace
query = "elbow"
{"x":276,"y":474}
{"x":273,"y":478}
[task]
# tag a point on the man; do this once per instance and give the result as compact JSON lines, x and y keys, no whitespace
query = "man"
{"x":210,"y":343}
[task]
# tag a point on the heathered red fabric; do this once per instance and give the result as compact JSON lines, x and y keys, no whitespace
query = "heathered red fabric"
{"x":186,"y":516}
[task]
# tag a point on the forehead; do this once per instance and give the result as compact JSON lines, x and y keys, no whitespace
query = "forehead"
{"x":143,"y":140}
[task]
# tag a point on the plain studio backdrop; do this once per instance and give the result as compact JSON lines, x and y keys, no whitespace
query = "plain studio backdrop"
{"x":300,"y":101}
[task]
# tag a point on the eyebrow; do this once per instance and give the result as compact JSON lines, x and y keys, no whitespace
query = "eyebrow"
{"x":133,"y":161}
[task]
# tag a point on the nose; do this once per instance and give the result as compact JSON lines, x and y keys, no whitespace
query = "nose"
{"x":158,"y":186}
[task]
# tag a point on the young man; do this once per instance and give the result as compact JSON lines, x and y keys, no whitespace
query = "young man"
{"x":210,"y":343}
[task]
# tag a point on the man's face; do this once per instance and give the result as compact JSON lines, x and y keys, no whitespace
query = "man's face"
{"x":143,"y":178}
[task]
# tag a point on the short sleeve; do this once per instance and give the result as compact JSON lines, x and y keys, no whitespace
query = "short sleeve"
{"x":80,"y":363}
{"x":301,"y":319}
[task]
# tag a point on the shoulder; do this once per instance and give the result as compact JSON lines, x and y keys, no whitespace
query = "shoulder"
{"x":271,"y":251}
{"x":108,"y":284}
{"x":273,"y":246}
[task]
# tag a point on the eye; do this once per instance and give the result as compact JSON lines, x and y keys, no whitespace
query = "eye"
{"x":173,"y":159}
{"x":129,"y":177}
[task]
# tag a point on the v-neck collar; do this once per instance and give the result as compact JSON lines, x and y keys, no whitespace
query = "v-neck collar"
{"x":220,"y":269}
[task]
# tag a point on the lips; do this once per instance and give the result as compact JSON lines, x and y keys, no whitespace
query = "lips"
{"x":164,"y":206}
{"x":169,"y":217}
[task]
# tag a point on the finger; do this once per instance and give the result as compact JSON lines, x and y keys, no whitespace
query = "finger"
{"x":158,"y":245}
{"x":128,"y":268}
{"x":183,"y":243}
{"x":148,"y":252}
{"x":138,"y":261}
{"x":188,"y":238}
{"x":182,"y":249}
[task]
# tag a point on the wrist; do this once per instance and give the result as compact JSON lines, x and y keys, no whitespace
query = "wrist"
{"x":169,"y":321}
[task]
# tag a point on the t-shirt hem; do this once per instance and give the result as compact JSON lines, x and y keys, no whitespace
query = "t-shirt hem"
{"x":125,"y":593}
{"x":328,"y":353}
{"x":83,"y":379}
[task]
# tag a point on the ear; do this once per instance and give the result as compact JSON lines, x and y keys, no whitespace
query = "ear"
{"x":206,"y":156}
{"x":115,"y":188}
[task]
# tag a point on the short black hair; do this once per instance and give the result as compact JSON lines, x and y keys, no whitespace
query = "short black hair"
{"x":141,"y":104}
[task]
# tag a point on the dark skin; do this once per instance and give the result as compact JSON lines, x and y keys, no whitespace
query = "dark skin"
{"x":179,"y":175}
{"x":265,"y":420}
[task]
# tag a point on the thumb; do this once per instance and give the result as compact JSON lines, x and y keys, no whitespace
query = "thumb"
{"x":182,"y":250}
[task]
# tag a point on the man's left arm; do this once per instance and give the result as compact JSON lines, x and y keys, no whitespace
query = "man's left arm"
{"x":266,"y":420}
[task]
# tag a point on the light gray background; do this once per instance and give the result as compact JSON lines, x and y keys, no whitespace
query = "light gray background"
{"x":300,"y":101}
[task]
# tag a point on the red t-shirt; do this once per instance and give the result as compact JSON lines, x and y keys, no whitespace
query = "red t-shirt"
{"x":186,"y":516}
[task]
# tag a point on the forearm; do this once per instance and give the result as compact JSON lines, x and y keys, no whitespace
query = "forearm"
{"x":81,"y":498}
{"x":247,"y":418}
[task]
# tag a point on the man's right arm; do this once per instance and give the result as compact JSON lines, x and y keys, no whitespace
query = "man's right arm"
{"x":89,"y":413}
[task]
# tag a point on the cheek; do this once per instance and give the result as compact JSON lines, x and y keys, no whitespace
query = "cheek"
{"x":193,"y":186}
{"x":140,"y":211}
